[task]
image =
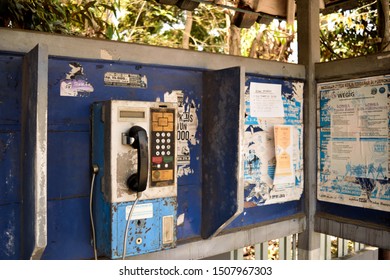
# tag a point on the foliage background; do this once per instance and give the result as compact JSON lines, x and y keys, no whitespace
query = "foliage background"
{"x":208,"y":28}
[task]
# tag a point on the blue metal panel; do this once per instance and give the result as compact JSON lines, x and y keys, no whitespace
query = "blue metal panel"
{"x":10,"y":90}
{"x":263,"y":212}
{"x":148,"y":230}
{"x":69,"y":172}
{"x":189,"y":210}
{"x":355,"y":213}
{"x":69,"y":234}
{"x":9,"y":167}
{"x":10,"y":231}
{"x":222,"y":187}
{"x":10,"y":96}
{"x":69,"y":231}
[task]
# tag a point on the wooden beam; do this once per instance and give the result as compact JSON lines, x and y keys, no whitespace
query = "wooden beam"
{"x":275,"y":7}
{"x":291,"y":7}
{"x":308,"y":55}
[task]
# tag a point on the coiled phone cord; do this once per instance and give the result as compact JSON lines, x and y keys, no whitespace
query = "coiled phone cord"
{"x":127,"y":225}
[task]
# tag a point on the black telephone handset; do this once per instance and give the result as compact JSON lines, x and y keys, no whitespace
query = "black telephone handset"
{"x":137,"y":182}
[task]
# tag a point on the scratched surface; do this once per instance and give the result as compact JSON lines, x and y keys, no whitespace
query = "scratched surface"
{"x":73,"y":87}
{"x":69,"y":140}
{"x":263,"y":200}
{"x":10,"y":101}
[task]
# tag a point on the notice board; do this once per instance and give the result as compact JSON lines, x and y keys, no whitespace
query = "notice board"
{"x":353,"y":143}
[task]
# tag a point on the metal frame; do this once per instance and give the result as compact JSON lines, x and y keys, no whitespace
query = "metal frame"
{"x":33,"y":153}
{"x":66,"y":46}
{"x":225,"y":242}
{"x":308,"y":55}
{"x":70,"y":46}
{"x":360,"y":67}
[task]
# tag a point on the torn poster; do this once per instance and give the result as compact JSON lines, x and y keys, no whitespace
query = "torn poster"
{"x":354,"y":142}
{"x":187,"y":125}
{"x":260,"y":162}
{"x":75,"y":83}
{"x":284,"y":153}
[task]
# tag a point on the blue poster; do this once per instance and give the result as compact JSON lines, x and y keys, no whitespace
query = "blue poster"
{"x":354,"y":142}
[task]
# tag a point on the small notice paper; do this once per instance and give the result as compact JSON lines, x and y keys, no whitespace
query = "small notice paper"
{"x":284,"y":171}
{"x":266,"y":100}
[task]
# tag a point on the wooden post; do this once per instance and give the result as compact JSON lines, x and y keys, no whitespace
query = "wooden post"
{"x":308,"y":55}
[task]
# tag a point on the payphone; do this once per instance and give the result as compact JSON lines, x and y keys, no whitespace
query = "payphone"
{"x":135,"y":195}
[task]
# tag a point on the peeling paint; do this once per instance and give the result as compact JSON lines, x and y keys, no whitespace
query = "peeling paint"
{"x":5,"y":145}
{"x":180,"y":219}
{"x":75,"y":83}
{"x":9,"y":236}
{"x":105,"y":54}
{"x":127,"y":162}
{"x":187,"y":125}
{"x":259,"y":150}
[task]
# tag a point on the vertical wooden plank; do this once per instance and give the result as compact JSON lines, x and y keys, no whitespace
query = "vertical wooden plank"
{"x":237,"y":254}
{"x":33,"y":153}
{"x":345,"y":247}
{"x":328,"y":251}
{"x":291,"y":7}
{"x":258,"y":248}
{"x":323,"y":246}
{"x":288,"y":247}
{"x":340,"y":247}
{"x":294,"y":246}
{"x":308,"y":55}
{"x":282,"y":248}
{"x":326,"y":247}
{"x":261,"y":251}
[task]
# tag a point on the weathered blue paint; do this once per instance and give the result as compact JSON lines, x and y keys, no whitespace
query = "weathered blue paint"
{"x":10,"y":102}
{"x":258,"y":211}
{"x":110,"y":219}
{"x":69,"y":152}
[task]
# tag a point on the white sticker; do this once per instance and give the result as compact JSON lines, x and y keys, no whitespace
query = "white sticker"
{"x":266,"y":100}
{"x":180,"y":219}
{"x":141,"y":211}
{"x":125,"y":80}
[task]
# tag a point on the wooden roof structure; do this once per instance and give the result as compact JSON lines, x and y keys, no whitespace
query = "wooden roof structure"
{"x":250,"y":11}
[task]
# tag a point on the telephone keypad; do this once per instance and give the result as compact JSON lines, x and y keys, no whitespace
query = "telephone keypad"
{"x":162,"y":145}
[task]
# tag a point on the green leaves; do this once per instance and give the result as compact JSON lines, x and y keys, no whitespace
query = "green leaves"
{"x":85,"y":18}
{"x":349,"y":33}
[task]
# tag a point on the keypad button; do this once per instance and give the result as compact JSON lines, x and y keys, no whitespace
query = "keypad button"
{"x":157,"y":140}
{"x":163,"y":147}
{"x":163,"y":153}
